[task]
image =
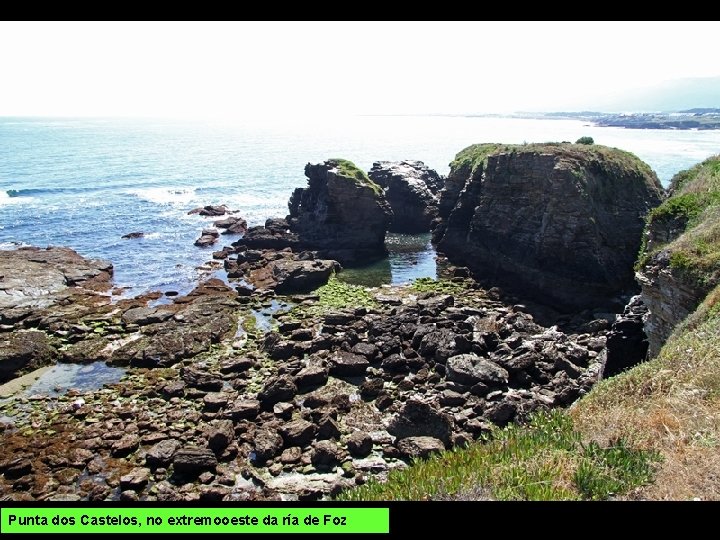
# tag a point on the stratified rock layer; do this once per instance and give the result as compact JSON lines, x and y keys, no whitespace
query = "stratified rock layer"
{"x":559,"y":223}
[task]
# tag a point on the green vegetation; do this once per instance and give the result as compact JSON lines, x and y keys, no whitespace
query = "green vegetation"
{"x":543,"y":460}
{"x":611,"y":161}
{"x":669,"y":405}
{"x":348,"y":169}
{"x":695,"y":209}
{"x":336,"y":294}
{"x":470,"y":158}
{"x":585,"y":140}
{"x":446,"y":286}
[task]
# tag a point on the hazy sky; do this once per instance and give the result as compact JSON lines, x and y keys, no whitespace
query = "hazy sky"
{"x":235,"y":69}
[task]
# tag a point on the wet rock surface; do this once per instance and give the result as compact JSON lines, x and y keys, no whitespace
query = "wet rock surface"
{"x":215,"y":408}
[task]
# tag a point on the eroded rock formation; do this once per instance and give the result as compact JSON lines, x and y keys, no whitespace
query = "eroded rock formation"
{"x":558,"y":223}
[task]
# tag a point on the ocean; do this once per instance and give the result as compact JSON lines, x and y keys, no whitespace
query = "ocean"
{"x":84,"y":183}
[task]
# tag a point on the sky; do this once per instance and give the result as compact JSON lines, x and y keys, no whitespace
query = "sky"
{"x":242,"y":69}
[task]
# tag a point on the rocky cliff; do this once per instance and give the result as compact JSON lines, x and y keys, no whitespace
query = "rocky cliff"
{"x":341,"y":214}
{"x":559,"y":223}
{"x":680,"y":261}
{"x":412,"y":189}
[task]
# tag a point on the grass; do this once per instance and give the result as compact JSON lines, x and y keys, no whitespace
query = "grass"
{"x":694,"y":207}
{"x":669,"y":405}
{"x":348,"y":169}
{"x":612,"y":162}
{"x":543,"y":460}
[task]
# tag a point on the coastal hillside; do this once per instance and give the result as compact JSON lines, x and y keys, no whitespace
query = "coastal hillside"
{"x":649,"y":433}
{"x":680,"y":259}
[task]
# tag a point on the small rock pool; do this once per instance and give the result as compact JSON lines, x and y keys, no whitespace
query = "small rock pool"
{"x":410,"y":256}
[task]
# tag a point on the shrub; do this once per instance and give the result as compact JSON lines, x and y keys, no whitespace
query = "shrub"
{"x":585,"y":140}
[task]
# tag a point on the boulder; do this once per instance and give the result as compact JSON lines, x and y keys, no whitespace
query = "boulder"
{"x":417,"y":419}
{"x":298,"y":433}
{"x":345,"y":364}
{"x":277,"y":389}
{"x":559,"y":223}
{"x":161,"y":454}
{"x":359,"y":444}
{"x":268,"y":444}
{"x":419,"y":447}
{"x":194,"y":460}
{"x":470,"y":369}
{"x":411,"y":189}
{"x":301,"y":276}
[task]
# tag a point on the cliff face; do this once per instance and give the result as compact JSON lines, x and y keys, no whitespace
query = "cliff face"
{"x":680,"y":262}
{"x":411,"y":189}
{"x":559,"y":223}
{"x":342,"y":213}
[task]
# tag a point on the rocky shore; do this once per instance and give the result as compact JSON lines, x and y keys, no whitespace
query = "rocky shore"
{"x":282,"y":382}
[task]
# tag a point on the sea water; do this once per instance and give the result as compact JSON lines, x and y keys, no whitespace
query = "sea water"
{"x":84,"y":183}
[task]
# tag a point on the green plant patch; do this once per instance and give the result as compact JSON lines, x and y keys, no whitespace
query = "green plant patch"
{"x":544,"y":459}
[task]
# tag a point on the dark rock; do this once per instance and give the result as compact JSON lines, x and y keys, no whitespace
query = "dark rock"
{"x":17,"y":468}
{"x":209,"y":210}
{"x":236,"y":365}
{"x":207,"y":238}
{"x":371,"y":388}
{"x":136,"y":479}
{"x":220,"y":434}
{"x":345,"y":364}
{"x":368,"y":350}
{"x":627,"y":344}
{"x":243,"y":409}
{"x":417,"y":418}
{"x":451,"y":399}
{"x":173,"y":389}
{"x":215,"y":401}
{"x":283,"y":410}
{"x":471,"y":369}
{"x":131,"y":235}
{"x":411,"y":190}
{"x":395,"y":364}
{"x":298,"y":433}
{"x":126,"y":445}
{"x":268,"y":444}
{"x":419,"y":447}
{"x":301,"y":276}
{"x":291,"y":455}
{"x":277,"y":389}
{"x":341,"y":213}
{"x":232,"y":224}
{"x":194,"y":460}
{"x":325,"y":454}
{"x":24,"y":351}
{"x":561,"y":223}
{"x":146,"y":315}
{"x":501,"y":412}
{"x":359,"y":444}
{"x":327,"y":428}
{"x":199,"y":378}
{"x":311,"y":376}
{"x":161,"y":454}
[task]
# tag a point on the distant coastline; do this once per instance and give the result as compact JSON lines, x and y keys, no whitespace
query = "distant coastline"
{"x":700,"y":118}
